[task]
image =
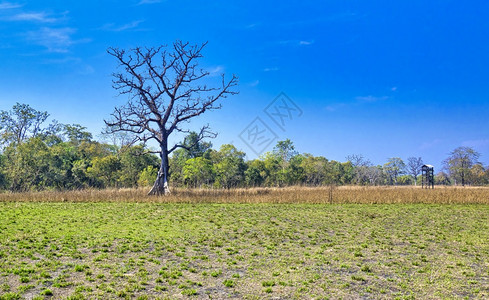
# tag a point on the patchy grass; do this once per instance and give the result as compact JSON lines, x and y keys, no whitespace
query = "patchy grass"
{"x":167,"y":250}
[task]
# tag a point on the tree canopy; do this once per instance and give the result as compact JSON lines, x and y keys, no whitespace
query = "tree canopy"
{"x":66,"y":156}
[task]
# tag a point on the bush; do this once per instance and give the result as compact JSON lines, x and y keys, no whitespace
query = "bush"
{"x":147,"y":176}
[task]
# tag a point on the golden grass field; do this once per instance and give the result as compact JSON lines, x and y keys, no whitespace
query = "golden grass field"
{"x":327,"y":194}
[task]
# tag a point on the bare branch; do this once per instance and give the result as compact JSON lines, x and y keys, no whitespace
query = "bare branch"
{"x":164,"y":90}
{"x":203,"y":134}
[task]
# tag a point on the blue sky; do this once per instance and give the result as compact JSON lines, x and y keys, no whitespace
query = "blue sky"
{"x":378,"y":78}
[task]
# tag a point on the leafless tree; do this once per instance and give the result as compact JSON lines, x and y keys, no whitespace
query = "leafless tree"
{"x":374,"y":175}
{"x":357,"y":160}
{"x":414,"y":165}
{"x":361,"y":167}
{"x":166,"y":89}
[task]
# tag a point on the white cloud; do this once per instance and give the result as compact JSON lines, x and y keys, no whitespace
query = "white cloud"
{"x":124,"y":27}
{"x":20,"y":15}
{"x":271,"y":69}
{"x":254,"y":83}
{"x":54,"y":39}
{"x":394,"y":88}
{"x":297,"y":42}
{"x":305,"y":43}
{"x":9,"y":5}
{"x":216,"y":71}
{"x":61,"y":61}
{"x":34,"y":16}
{"x":370,"y":98}
{"x":74,"y":63}
{"x":251,"y":26}
{"x":360,"y":100}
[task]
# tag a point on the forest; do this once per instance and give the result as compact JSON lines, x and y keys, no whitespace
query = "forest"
{"x":35,"y":156}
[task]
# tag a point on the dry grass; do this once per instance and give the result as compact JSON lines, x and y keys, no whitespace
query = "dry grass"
{"x":330,"y":194}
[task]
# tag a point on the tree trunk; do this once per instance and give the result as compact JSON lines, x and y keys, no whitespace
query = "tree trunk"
{"x":160,"y":186}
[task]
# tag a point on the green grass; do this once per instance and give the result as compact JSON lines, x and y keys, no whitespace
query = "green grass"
{"x":229,"y":283}
{"x":149,"y":250}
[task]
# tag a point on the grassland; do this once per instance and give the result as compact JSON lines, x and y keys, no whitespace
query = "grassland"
{"x":124,"y":245}
{"x":299,"y":195}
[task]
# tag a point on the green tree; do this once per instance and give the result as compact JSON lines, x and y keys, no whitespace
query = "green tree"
{"x":314,"y":169}
{"x":76,"y":133}
{"x":459,"y":163}
{"x":62,"y":158}
{"x":194,"y":145}
{"x":147,"y":176}
{"x":255,"y":173}
{"x":294,"y":173}
{"x":134,"y":160}
{"x":394,"y":168}
{"x":3,"y":180}
{"x":273,"y":167}
{"x":176,"y":163}
{"x":106,"y":169}
{"x":27,"y":165}
{"x":198,"y":172}
{"x":348,"y":173}
{"x":81,"y":178}
{"x":334,"y":173}
{"x":229,"y":166}
{"x":20,"y":123}
{"x":478,"y":174}
{"x":442,"y":178}
{"x":405,"y":180}
{"x":87,"y":152}
{"x":283,"y":151}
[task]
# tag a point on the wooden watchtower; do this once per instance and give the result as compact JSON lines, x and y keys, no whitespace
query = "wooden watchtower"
{"x":428,"y":176}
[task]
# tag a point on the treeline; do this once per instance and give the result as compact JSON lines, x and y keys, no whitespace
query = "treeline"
{"x":35,"y":156}
{"x":64,"y":156}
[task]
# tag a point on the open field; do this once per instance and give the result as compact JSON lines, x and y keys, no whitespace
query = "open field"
{"x":123,"y":249}
{"x":299,"y":195}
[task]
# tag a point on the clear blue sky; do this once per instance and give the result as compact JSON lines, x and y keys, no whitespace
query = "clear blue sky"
{"x":379,"y":78}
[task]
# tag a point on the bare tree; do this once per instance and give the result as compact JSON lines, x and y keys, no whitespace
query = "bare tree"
{"x":361,"y":168}
{"x":414,"y":167}
{"x":357,"y":160}
{"x":374,"y":174}
{"x":166,"y":90}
